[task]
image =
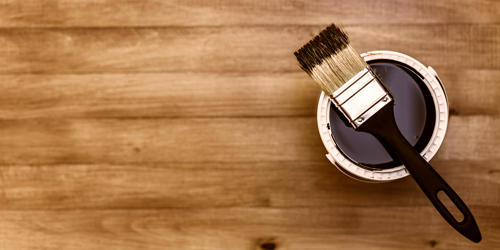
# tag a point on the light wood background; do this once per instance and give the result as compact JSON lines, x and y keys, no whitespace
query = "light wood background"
{"x":146,"y":124}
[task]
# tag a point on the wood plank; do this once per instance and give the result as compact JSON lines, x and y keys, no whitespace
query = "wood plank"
{"x":468,"y":138}
{"x":472,"y":91}
{"x":241,"y":49}
{"x":244,"y":228}
{"x":204,"y":94}
{"x":157,"y":95}
{"x":86,"y":13}
{"x":121,"y":141}
{"x":209,"y":185}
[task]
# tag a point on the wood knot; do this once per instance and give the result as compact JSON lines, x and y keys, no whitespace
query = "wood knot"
{"x":433,"y":243}
{"x":268,"y":244}
{"x":493,"y":171}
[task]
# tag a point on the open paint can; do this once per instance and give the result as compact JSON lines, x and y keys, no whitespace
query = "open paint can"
{"x":421,"y":112}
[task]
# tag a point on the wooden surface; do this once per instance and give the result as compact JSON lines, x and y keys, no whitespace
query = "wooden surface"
{"x":147,"y":124}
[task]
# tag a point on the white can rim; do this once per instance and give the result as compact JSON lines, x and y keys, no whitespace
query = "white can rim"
{"x":364,"y":173}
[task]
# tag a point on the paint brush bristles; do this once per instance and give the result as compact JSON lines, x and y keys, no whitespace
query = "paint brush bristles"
{"x":330,"y":59}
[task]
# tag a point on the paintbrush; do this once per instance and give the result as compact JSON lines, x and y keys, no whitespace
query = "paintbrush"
{"x":332,"y":61}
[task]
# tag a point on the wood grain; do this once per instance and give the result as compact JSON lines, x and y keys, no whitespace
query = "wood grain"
{"x":243,"y":228}
{"x":167,"y":95}
{"x":235,"y":49}
{"x":88,"y":13}
{"x":472,"y":91}
{"x":189,"y":125}
{"x":123,"y":141}
{"x":158,"y":95}
{"x":213,"y":185}
{"x":470,"y":134}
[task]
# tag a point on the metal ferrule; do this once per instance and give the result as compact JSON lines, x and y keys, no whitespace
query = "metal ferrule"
{"x":361,"y":97}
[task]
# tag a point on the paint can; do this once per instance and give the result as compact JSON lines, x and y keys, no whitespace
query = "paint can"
{"x":421,"y":112}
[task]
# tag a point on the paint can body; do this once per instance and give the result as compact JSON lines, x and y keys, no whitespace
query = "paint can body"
{"x":421,"y":112}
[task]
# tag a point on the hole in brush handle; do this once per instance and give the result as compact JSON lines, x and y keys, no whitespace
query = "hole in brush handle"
{"x":450,"y":206}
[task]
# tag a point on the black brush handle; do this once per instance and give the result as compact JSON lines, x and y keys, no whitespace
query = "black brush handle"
{"x":383,"y":126}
